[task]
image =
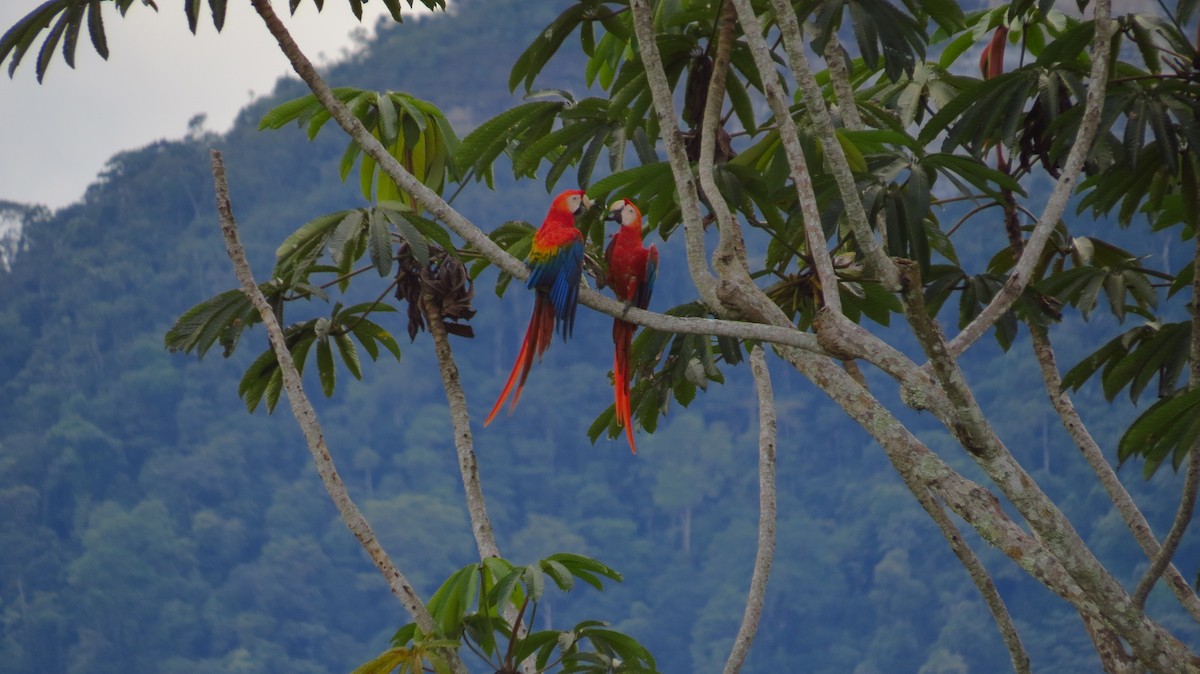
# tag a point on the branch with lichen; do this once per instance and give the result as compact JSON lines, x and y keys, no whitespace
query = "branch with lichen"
{"x":1129,"y":511}
{"x":765,"y":554}
{"x":306,"y":417}
{"x":790,"y":138}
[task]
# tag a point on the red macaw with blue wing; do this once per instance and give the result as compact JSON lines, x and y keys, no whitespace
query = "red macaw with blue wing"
{"x":555,"y":264}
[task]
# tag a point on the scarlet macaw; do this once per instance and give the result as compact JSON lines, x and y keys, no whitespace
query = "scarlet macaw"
{"x":632,"y":269}
{"x":555,"y":264}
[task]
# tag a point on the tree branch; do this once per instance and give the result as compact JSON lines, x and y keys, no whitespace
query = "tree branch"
{"x":1124,"y":503}
{"x":729,"y":258}
{"x":981,"y":578}
{"x":766,"y":512}
{"x":1150,"y":643}
{"x":1183,"y":517}
{"x":306,"y":417}
{"x":1022,"y":273}
{"x":920,"y":467}
{"x":464,"y":442}
{"x":839,"y":76}
{"x":856,"y":215}
{"x":660,"y":91}
{"x":814,"y":234}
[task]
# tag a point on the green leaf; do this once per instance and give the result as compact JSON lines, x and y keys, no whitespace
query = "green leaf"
{"x":95,"y":30}
{"x":325,"y":369}
{"x":558,"y":573}
{"x":416,"y":242}
{"x":502,"y":594}
{"x":1170,"y":426}
{"x":379,"y":242}
{"x":217,"y":7}
{"x":200,"y":327}
{"x":482,"y":146}
{"x":534,"y":581}
{"x":312,"y":233}
{"x":349,"y":355}
{"x":47,"y":51}
{"x":535,"y":56}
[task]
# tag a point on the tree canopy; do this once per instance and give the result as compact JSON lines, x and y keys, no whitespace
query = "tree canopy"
{"x":837,"y":180}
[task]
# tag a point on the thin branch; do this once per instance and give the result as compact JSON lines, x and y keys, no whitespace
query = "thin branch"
{"x":660,"y":91}
{"x":1022,"y":273}
{"x":981,"y":578}
{"x":1183,"y":517}
{"x":464,"y":442}
{"x":1187,"y":503}
{"x":1134,"y":519}
{"x":806,"y":82}
{"x":306,"y":417}
{"x":839,"y":76}
{"x":766,"y":512}
{"x":814,"y":234}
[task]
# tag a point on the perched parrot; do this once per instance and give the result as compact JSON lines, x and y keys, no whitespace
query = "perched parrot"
{"x":631,"y":272}
{"x":555,"y":264}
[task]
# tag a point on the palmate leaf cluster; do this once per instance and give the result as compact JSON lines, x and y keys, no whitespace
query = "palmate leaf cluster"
{"x":470,"y":609}
{"x":389,"y":233}
{"x":65,"y":19}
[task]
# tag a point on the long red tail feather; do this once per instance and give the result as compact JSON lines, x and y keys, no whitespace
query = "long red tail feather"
{"x":537,"y":339}
{"x":623,"y":340}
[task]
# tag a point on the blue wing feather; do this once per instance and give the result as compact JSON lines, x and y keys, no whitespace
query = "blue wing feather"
{"x":557,"y":275}
{"x":646,"y":289}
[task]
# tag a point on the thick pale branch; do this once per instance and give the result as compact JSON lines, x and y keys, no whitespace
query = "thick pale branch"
{"x":856,"y":215}
{"x":1152,"y":645}
{"x":839,"y":76}
{"x":660,"y":91}
{"x":814,"y":234}
{"x":766,"y":512}
{"x":306,"y":416}
{"x":729,"y":258}
{"x":980,"y":509}
{"x":916,"y":465}
{"x":1022,"y":273}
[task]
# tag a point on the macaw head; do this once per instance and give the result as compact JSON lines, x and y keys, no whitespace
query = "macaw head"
{"x":624,"y":212}
{"x":573,"y":202}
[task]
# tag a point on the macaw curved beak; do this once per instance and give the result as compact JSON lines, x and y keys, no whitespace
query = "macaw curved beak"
{"x":614,"y":212}
{"x":584,"y":205}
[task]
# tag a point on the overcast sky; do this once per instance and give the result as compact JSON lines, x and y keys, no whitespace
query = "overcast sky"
{"x":55,"y":137}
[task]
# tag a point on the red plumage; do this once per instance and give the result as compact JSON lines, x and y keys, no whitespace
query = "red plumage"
{"x":555,"y":264}
{"x":632,"y":269}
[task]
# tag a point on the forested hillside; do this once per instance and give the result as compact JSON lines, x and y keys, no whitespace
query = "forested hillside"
{"x":148,"y":523}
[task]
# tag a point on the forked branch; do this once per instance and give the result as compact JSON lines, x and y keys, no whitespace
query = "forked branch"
{"x":1129,"y":511}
